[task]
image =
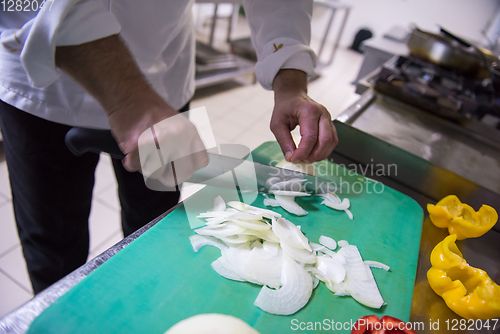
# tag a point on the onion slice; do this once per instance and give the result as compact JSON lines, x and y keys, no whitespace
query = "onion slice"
{"x":290,"y":234}
{"x":359,"y":281}
{"x":344,"y":205}
{"x":328,"y":242}
{"x":252,"y":209}
{"x":271,"y":202}
{"x":219,"y":204}
{"x":292,"y":296}
{"x":332,"y":270}
{"x":198,"y":241}
{"x":223,"y":268}
{"x":288,"y":203}
{"x":289,"y":193}
{"x":376,"y":264}
{"x":332,"y":200}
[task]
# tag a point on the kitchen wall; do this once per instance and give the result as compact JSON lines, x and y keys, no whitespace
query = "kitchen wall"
{"x":463,"y":17}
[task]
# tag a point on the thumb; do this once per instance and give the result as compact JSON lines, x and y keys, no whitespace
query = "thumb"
{"x":282,"y":133}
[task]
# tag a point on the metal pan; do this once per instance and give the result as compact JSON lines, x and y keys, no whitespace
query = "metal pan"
{"x":450,"y":54}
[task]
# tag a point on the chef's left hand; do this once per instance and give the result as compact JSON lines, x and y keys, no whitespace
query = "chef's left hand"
{"x":293,"y":107}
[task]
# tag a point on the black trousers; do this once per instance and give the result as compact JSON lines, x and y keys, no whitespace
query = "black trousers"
{"x":52,"y":195}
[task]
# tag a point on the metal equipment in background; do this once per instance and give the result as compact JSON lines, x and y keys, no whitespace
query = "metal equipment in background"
{"x":213,"y":66}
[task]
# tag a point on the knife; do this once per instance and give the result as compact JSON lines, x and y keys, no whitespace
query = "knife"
{"x":248,"y":175}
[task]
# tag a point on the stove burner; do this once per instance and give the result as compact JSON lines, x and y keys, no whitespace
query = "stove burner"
{"x":437,"y":90}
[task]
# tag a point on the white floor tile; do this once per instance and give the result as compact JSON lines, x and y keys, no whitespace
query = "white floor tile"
{"x":11,"y":295}
{"x":104,"y":222}
{"x":226,"y":129}
{"x":4,"y":182}
{"x":109,"y":197}
{"x":14,"y":265}
{"x":240,"y":117}
{"x":104,"y":174}
{"x":107,"y":243}
{"x":261,"y":101}
{"x":253,"y":137}
{"x":8,"y":230}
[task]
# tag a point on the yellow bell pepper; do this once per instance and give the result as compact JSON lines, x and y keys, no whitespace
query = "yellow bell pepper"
{"x":461,"y":219}
{"x":468,"y":291}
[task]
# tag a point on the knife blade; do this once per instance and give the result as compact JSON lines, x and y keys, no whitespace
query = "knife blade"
{"x":245,"y":173}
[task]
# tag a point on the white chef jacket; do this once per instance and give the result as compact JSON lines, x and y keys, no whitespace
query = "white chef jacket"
{"x":160,"y":36}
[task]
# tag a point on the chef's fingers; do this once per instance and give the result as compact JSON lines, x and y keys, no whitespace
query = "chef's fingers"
{"x":308,"y":119}
{"x":131,"y":162}
{"x":281,"y":127}
{"x":327,"y":139}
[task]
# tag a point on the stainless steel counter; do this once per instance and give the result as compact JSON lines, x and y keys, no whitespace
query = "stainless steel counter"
{"x":431,"y":158}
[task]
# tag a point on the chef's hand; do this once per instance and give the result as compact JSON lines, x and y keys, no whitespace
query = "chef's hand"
{"x":293,"y":107}
{"x":106,"y":70}
{"x":140,"y":134}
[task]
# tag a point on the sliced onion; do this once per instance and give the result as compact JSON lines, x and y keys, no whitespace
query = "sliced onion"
{"x":332,"y":197}
{"x":236,"y":240}
{"x":333,"y":201}
{"x":290,"y":234}
{"x":266,"y":235}
{"x":246,"y":216}
{"x":252,"y":209}
{"x":236,"y":257}
{"x":292,"y":296}
{"x":338,"y":289}
{"x":289,"y":204}
{"x":215,"y":221}
{"x":316,"y":273}
{"x":315,"y":281}
{"x":328,"y":242}
{"x":274,"y":255}
{"x":289,"y":193}
{"x":252,"y":224}
{"x":265,"y":264}
{"x":222,"y":267}
{"x":198,"y":241}
{"x":322,"y":250}
{"x":375,"y":264}
{"x":271,"y":202}
{"x":343,"y":243}
{"x":224,"y":231}
{"x":359,"y":281}
{"x":299,"y":255}
{"x":344,"y":205}
{"x":331,"y":269}
{"x":219,"y":204}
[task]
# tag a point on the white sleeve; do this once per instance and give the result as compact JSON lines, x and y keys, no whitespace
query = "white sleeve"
{"x":67,"y":22}
{"x":281,"y":33}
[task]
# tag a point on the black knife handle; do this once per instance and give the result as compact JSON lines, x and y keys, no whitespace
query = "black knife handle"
{"x":81,"y":140}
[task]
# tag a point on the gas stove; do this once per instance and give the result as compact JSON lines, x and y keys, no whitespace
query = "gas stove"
{"x":434,"y":89}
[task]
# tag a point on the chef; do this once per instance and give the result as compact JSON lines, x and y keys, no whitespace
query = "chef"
{"x":125,"y":66}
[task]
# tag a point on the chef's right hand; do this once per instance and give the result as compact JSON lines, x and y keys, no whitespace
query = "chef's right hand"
{"x":158,"y":128}
{"x":106,"y":70}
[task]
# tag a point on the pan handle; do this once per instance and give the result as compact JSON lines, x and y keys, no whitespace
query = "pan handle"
{"x":454,"y":37}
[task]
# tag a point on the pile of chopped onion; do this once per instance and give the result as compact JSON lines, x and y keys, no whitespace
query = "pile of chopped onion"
{"x":261,"y":247}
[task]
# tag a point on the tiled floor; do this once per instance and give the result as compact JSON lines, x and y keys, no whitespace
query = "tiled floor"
{"x":239,"y":114}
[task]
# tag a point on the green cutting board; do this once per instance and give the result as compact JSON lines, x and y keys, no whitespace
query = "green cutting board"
{"x":158,"y":280}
